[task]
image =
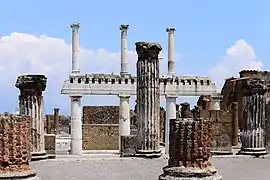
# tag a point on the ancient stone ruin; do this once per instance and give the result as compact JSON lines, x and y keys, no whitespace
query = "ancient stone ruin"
{"x":31,"y":104}
{"x":15,"y":148}
{"x":148,"y":99}
{"x":190,"y":149}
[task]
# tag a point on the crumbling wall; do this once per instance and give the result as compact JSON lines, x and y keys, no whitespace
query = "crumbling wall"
{"x":14,"y":143}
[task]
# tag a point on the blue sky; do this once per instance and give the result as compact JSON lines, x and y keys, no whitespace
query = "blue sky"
{"x":205,"y":30}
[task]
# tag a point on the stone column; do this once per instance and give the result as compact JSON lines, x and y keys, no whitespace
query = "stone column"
{"x":189,"y":155}
{"x":76,"y":125}
{"x":31,"y":104}
{"x":254,"y":118}
{"x":47,"y":124}
{"x":56,"y":120}
{"x":124,"y":66}
{"x":170,"y":31}
{"x":124,"y":115}
{"x":170,"y":114}
{"x":148,"y":99}
{"x":235,"y":127}
{"x":15,"y":148}
{"x":75,"y":47}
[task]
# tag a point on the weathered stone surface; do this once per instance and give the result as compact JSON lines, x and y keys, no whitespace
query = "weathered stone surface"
{"x":64,"y":123}
{"x":50,"y":143}
{"x":100,"y":114}
{"x":128,"y":145}
{"x":148,"y":99}
{"x":100,"y":136}
{"x":254,"y":117}
{"x":31,"y":104}
{"x":190,"y":152}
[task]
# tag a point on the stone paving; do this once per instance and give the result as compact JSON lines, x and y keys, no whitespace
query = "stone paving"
{"x":102,"y":167}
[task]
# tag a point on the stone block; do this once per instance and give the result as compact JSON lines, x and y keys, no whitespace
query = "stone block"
{"x":128,"y":145}
{"x":50,"y":143}
{"x":62,"y":144}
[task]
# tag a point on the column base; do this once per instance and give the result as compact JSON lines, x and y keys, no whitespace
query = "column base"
{"x":177,"y":173}
{"x":148,"y":153}
{"x":36,"y":156}
{"x":221,"y":153}
{"x":24,"y":175}
{"x":252,"y":151}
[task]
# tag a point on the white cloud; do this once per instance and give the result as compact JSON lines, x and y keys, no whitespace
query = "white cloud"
{"x":239,"y":56}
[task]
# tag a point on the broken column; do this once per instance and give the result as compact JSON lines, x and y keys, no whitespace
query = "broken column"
{"x":124,"y":64}
{"x":15,"y":148}
{"x":148,"y":99}
{"x":56,"y":120}
{"x":31,"y":104}
{"x":170,"y":31}
{"x":190,"y":150}
{"x":254,"y":117}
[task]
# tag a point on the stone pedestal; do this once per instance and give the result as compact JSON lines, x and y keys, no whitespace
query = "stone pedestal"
{"x":254,"y":118}
{"x":148,"y":99}
{"x":15,"y":148}
{"x":76,"y":125}
{"x":189,"y":155}
{"x":31,"y":104}
{"x":170,"y":114}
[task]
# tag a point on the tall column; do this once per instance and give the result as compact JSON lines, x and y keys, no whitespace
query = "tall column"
{"x":170,"y":114}
{"x":75,"y":47}
{"x":56,"y":120}
{"x":124,"y":66}
{"x":124,"y":115}
{"x":76,"y":125}
{"x":254,"y":118}
{"x":170,"y":31}
{"x":189,"y":155}
{"x":148,"y":99}
{"x":235,"y":127}
{"x":15,"y":148}
{"x":31,"y":104}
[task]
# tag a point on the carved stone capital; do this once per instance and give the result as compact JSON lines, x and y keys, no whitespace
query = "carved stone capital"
{"x":185,"y":110}
{"x":170,"y":29}
{"x":34,"y":83}
{"x":75,"y":98}
{"x":148,"y":49}
{"x":124,"y":27}
{"x":75,"y":26}
{"x":254,"y":86}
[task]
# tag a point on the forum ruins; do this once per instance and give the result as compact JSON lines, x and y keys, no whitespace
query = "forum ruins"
{"x":235,"y":118}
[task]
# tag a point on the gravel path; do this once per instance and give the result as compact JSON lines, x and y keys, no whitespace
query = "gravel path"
{"x":142,"y":169}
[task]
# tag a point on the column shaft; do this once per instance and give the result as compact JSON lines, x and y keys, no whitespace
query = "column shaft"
{"x":124,"y":64}
{"x":170,"y":114}
{"x":170,"y":31}
{"x":76,"y":125}
{"x":148,"y":99}
{"x":56,"y":120}
{"x":75,"y":47}
{"x":235,"y":126}
{"x":124,"y":115}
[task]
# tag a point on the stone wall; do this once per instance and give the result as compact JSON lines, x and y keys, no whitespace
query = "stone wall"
{"x":100,"y":136}
{"x":221,"y":125}
{"x":100,"y":114}
{"x":14,"y":143}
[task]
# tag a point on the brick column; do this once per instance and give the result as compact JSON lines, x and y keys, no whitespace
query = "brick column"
{"x":15,"y":148}
{"x":148,"y":99}
{"x":56,"y":120}
{"x":254,"y":118}
{"x":31,"y":104}
{"x":189,"y":154}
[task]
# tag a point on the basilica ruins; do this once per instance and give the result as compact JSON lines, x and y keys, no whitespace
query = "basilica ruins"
{"x":234,"y":119}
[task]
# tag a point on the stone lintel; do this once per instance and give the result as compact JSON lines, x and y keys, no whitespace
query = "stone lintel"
{"x":34,"y":83}
{"x":124,"y":27}
{"x":148,"y":49}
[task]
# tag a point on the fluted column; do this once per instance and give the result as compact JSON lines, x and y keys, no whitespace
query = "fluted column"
{"x":190,"y":151}
{"x":31,"y":104}
{"x":148,"y":99}
{"x":76,"y":125}
{"x":254,"y":118}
